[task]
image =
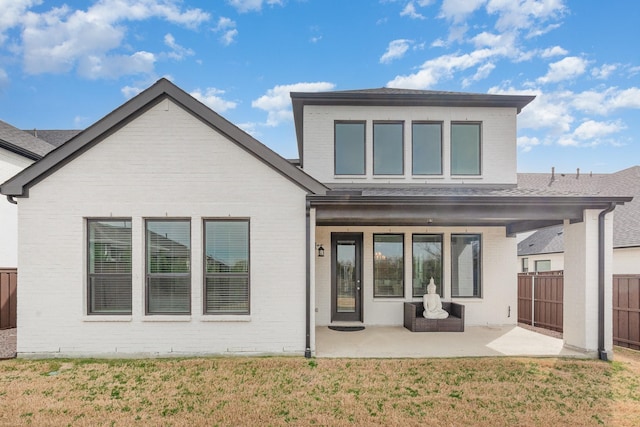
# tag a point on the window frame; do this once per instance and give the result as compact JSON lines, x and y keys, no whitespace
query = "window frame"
{"x":413,"y":154}
{"x":402,"y":148}
{"x":441,"y":284}
{"x":480,"y":269}
{"x":149,"y":275}
{"x":364,"y":147}
{"x":207,"y":275}
{"x":525,"y":264}
{"x":89,"y":275}
{"x":480,"y":146}
{"x":540,"y":261}
{"x":402,"y":269}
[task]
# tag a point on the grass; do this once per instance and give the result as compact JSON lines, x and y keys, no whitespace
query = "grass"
{"x":296,"y":391}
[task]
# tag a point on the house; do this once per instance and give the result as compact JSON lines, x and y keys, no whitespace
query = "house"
{"x":544,"y":249}
{"x":165,"y":229}
{"x":18,"y":150}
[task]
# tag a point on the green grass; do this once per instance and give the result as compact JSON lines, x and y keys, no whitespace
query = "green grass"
{"x":297,"y":391}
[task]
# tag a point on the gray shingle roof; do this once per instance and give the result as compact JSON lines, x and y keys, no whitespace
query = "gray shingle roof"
{"x":626,"y":223}
{"x":55,"y":137}
{"x":22,"y":143}
{"x":545,"y":241}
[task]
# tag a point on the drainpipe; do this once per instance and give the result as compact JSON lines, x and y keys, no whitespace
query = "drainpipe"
{"x":12,"y":200}
{"x":602,"y":354}
{"x":307,"y":345}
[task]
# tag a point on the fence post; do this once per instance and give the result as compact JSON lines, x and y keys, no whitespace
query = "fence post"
{"x":533,"y":300}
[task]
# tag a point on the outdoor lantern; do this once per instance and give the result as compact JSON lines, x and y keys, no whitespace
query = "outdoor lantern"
{"x":320,"y":250}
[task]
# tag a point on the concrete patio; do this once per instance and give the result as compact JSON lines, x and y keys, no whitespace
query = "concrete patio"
{"x":475,"y":341}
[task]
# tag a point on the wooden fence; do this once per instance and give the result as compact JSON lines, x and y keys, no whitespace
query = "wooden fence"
{"x":626,"y":311}
{"x":540,"y":304}
{"x":8,"y":300}
{"x":540,"y":299}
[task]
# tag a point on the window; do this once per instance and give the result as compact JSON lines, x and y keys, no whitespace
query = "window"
{"x":168,"y":266}
{"x":525,"y":265}
{"x":427,"y":263}
{"x":543,"y":265}
{"x":388,"y":149}
{"x":388,"y":265}
{"x":226,"y":287}
{"x":109,"y":257}
{"x":465,"y":265}
{"x":426,"y":142}
{"x":465,"y":148}
{"x":349,"y":148}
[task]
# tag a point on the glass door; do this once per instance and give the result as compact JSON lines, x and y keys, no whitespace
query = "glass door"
{"x":346,"y":287}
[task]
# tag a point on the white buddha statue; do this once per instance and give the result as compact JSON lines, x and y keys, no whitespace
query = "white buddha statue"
{"x":432,"y":304}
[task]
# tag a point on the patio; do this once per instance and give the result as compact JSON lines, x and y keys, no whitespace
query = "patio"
{"x":475,"y":341}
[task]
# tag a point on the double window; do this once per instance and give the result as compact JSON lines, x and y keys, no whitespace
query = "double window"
{"x":109,"y":269}
{"x":226,"y":244}
{"x":168,"y":248}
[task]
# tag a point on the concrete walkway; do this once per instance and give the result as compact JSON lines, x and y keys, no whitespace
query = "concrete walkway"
{"x":475,"y":341}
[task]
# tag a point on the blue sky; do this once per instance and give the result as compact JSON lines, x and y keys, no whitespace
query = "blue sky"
{"x":65,"y":65}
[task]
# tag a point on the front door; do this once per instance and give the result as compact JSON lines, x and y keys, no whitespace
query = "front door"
{"x":346,"y":276}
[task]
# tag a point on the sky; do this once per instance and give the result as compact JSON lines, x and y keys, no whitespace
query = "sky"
{"x":67,"y":64}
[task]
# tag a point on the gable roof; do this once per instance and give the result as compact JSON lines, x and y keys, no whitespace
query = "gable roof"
{"x":626,"y":219}
{"x":398,"y":97}
{"x":22,"y":143}
{"x":18,"y":186}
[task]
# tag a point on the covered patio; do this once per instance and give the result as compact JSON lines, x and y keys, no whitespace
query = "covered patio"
{"x":475,"y":341}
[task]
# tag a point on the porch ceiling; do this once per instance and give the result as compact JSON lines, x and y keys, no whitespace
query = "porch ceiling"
{"x":517,"y":214}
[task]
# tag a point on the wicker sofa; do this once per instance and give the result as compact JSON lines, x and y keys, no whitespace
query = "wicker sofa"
{"x":415,"y":321}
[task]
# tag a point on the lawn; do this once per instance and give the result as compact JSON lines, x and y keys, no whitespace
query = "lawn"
{"x":297,"y":391}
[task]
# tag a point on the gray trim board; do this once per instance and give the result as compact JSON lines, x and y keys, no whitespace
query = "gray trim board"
{"x":18,"y":186}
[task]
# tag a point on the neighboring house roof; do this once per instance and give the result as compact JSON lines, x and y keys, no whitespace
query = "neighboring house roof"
{"x":18,"y":186}
{"x":626,"y":222}
{"x":545,"y":241}
{"x":22,"y":143}
{"x":55,"y":137}
{"x":398,"y":97}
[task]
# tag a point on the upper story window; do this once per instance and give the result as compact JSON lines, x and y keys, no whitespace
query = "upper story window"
{"x":465,"y":148}
{"x":109,"y":270}
{"x":388,"y":148}
{"x":426,"y":143}
{"x":168,"y":251}
{"x":350,"y":148}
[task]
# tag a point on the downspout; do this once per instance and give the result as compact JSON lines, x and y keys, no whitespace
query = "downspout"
{"x":307,"y":345}
{"x":11,"y":200}
{"x":602,"y":354}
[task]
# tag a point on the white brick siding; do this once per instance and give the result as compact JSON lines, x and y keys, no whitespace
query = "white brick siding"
{"x":498,"y":152}
{"x":163,"y":164}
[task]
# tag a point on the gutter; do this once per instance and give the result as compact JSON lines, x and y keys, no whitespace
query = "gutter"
{"x":11,"y":200}
{"x":307,"y":343}
{"x":602,"y":353}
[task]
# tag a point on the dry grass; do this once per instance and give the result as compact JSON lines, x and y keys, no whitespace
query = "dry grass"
{"x":295,"y":391}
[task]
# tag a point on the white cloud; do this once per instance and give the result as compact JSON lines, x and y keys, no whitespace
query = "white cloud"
{"x":527,"y":143}
{"x":61,"y":39}
{"x":458,"y":10}
{"x":395,"y":50}
{"x":565,"y":69}
{"x":212,"y":99}
{"x":130,"y":91}
{"x":12,"y":14}
{"x":244,"y":6}
{"x":228,"y":29}
{"x":177,"y":52}
{"x":4,"y":78}
{"x":553,"y":51}
{"x":606,"y":101}
{"x":482,"y":73}
{"x":593,"y":130}
{"x":525,"y":14}
{"x":443,"y":67}
{"x":277,"y":101}
{"x":410,"y":11}
{"x":604,"y":71}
